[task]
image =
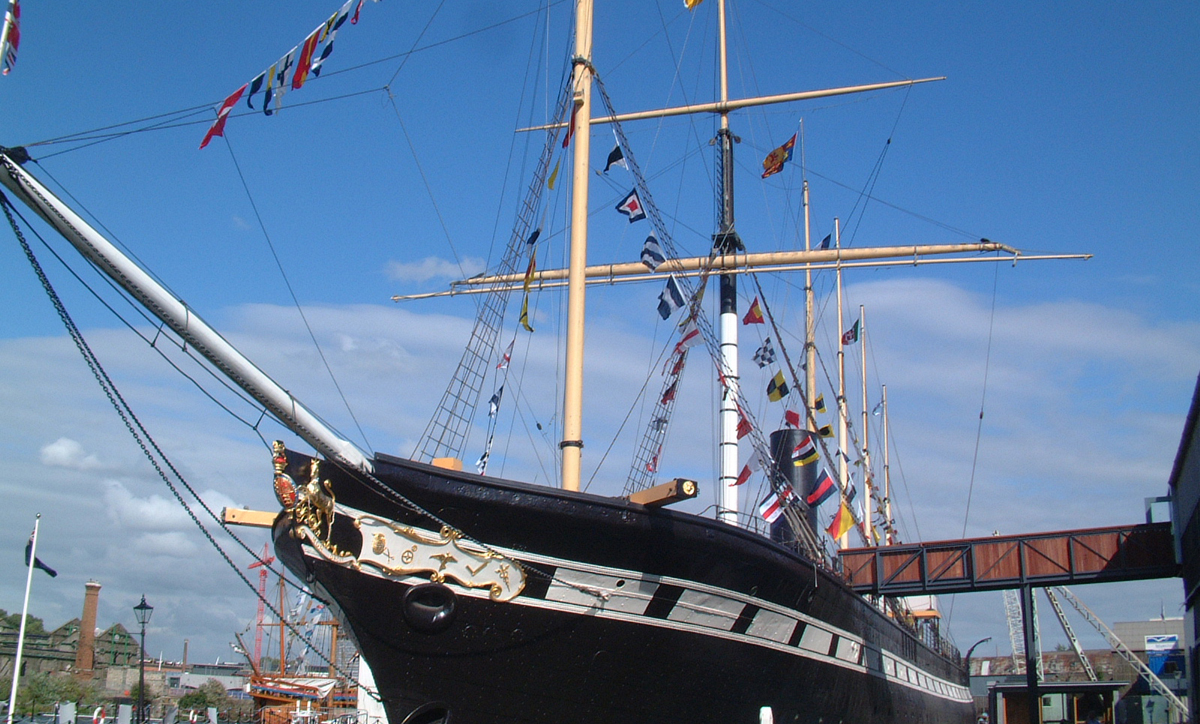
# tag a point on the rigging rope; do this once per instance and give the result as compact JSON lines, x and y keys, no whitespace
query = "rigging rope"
{"x":142,"y":436}
{"x":292,"y":292}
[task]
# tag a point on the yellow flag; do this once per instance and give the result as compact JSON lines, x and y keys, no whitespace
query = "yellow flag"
{"x":553,"y":177}
{"x":843,"y":521}
{"x":529,"y":278}
{"x":691,"y":4}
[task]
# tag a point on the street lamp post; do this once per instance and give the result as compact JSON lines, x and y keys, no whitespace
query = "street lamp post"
{"x":142,"y":611}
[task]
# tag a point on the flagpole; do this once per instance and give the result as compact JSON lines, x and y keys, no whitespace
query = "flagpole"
{"x":843,"y":472}
{"x":888,"y":534}
{"x":12,"y":699}
{"x":868,"y":533}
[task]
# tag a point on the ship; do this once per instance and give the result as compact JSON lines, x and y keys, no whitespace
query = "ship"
{"x":476,"y":599}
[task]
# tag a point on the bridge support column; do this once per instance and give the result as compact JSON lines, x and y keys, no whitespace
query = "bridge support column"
{"x":1033,"y":652}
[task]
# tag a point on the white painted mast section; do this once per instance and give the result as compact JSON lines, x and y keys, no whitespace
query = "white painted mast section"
{"x":194,"y":331}
{"x":889,"y":535}
{"x":572,"y":442}
{"x":16,"y":675}
{"x":843,"y":470}
{"x":868,"y":530}
{"x":727,"y":456}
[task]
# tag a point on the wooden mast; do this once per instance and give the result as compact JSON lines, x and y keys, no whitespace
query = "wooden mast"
{"x":581,"y":113}
{"x":810,"y":327}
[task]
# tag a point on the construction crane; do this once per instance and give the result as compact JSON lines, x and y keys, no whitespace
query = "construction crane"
{"x":1066,"y":626}
{"x":1123,"y":651}
{"x":263,"y":561}
{"x":1012,"y":613}
{"x":1016,"y":632}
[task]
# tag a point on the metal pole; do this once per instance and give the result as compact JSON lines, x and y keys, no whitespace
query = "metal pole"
{"x":142,"y":678}
{"x":12,"y":699}
{"x":1032,"y":653}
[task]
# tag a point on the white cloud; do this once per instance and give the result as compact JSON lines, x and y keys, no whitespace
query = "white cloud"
{"x":1058,"y":450}
{"x":67,"y":453}
{"x":152,"y":513}
{"x":432,"y":267}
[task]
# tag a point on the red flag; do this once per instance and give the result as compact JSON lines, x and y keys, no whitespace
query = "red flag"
{"x":743,"y":425}
{"x":305,"y":63}
{"x":670,"y":393}
{"x":754,"y":463}
{"x":571,"y":126}
{"x":678,"y":366}
{"x":755,"y":315}
{"x":792,"y":418}
{"x":218,"y":128}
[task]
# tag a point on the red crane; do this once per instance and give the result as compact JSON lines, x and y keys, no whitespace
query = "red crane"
{"x":263,"y":561}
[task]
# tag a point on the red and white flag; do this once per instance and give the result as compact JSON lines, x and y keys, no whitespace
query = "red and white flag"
{"x":503,"y":363}
{"x":218,"y":128}
{"x":12,"y":37}
{"x":772,"y":507}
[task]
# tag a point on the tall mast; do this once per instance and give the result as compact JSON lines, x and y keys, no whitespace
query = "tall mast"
{"x":889,"y":536}
{"x":572,"y":442}
{"x":726,"y":241}
{"x":810,"y":328}
{"x":866,"y":429}
{"x":843,"y":470}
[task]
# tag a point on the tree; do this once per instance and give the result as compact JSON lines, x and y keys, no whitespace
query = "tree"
{"x":210,"y":693}
{"x":38,"y":692}
{"x":33,"y":624}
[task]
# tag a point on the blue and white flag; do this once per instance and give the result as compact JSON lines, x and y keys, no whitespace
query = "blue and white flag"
{"x":652,"y":255}
{"x":765,"y":354}
{"x":631,"y":206}
{"x":670,"y":299}
{"x":494,"y":403}
{"x":37,"y":562}
{"x":825,"y":242}
{"x":615,"y":158}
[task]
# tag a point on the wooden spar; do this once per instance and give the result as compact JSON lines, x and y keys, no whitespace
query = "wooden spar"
{"x":572,"y":440}
{"x":730,"y":262}
{"x":770,"y":269}
{"x":725,"y":106}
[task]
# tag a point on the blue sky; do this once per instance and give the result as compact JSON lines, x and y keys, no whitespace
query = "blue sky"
{"x":1064,"y":128}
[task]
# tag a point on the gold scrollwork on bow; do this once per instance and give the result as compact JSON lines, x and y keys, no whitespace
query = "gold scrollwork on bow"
{"x":403,"y":551}
{"x":314,"y":510}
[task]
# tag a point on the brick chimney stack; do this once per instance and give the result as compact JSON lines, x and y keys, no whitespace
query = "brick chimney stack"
{"x":85,"y":654}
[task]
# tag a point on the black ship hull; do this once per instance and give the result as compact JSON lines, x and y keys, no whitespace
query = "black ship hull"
{"x":626,"y":613}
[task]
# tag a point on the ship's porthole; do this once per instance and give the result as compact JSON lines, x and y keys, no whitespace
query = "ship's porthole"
{"x":429,"y":608}
{"x":620,"y":583}
{"x":432,"y":713}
